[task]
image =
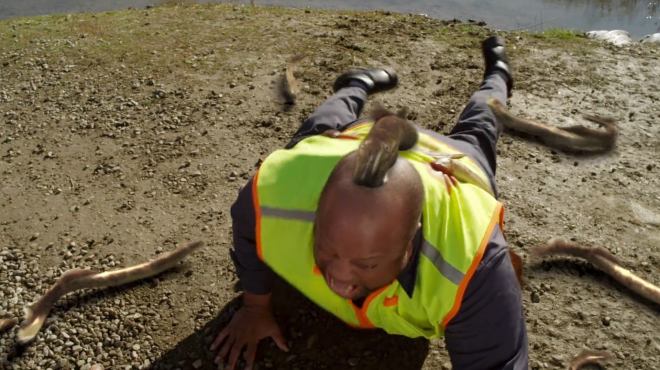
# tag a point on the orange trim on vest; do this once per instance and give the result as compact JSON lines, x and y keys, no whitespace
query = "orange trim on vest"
{"x":391,"y":301}
{"x":257,"y":215}
{"x":316,"y":270}
{"x":347,"y":137}
{"x":361,"y":312}
{"x":502,"y":220}
{"x":473,"y":267}
{"x":363,"y":320}
{"x":359,"y":125}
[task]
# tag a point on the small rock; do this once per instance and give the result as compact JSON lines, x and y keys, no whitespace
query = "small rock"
{"x":311,"y":341}
{"x":353,"y":361}
{"x":535,"y":297}
{"x":556,"y":360}
{"x":606,"y":320}
{"x":197,"y":364}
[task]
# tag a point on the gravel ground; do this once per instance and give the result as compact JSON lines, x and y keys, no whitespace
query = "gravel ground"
{"x":125,"y":133}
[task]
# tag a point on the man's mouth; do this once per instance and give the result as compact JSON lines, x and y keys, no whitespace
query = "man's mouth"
{"x":343,"y":289}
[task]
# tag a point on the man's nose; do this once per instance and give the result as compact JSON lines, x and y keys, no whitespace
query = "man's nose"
{"x":340,"y":270}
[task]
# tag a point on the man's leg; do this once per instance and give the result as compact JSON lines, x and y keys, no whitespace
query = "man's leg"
{"x":345,"y":105}
{"x":489,"y":330}
{"x":477,"y":125}
{"x":339,"y":110}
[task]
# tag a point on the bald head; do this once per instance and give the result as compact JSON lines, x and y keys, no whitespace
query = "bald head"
{"x":363,"y":235}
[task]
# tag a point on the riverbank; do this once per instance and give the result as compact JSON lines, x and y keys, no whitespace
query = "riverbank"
{"x":127,"y":131}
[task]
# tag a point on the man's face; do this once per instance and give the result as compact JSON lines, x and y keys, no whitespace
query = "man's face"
{"x":357,"y":255}
{"x":363,"y":236}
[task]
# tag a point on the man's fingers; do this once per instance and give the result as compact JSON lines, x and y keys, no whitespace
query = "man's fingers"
{"x":219,"y":338}
{"x":235,"y":353}
{"x":225,"y":349}
{"x":249,"y":355}
{"x":280,"y":341}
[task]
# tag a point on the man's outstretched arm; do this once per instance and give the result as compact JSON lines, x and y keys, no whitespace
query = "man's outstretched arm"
{"x":254,"y":275}
{"x":489,"y":330}
{"x":254,"y":321}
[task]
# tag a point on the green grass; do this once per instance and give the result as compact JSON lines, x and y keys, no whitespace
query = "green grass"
{"x":560,"y":34}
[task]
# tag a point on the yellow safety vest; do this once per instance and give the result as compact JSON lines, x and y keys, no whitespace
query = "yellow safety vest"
{"x":457,"y":224}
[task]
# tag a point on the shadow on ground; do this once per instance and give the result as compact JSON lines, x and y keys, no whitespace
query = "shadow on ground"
{"x":317,"y":341}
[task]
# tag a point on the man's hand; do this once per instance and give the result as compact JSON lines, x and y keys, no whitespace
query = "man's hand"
{"x":250,"y":324}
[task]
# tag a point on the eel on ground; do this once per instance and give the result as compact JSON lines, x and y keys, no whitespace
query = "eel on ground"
{"x":72,"y":280}
{"x":569,"y":139}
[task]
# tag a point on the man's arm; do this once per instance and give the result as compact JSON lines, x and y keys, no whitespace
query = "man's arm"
{"x":489,"y":330}
{"x":254,"y":321}
{"x":254,"y":275}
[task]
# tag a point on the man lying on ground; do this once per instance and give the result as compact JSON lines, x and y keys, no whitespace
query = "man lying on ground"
{"x":418,"y":251}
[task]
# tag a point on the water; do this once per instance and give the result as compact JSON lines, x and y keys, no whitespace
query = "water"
{"x":639,"y":17}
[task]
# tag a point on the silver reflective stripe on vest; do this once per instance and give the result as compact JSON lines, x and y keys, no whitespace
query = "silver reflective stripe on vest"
{"x":289,"y":214}
{"x":447,"y":270}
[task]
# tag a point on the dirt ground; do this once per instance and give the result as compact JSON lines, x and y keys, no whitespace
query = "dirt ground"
{"x":124,"y":133}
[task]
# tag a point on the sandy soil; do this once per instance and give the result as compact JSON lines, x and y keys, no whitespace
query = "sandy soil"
{"x":124,"y":133}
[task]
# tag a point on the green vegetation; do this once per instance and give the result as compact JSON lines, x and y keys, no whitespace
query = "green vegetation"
{"x":560,"y":34}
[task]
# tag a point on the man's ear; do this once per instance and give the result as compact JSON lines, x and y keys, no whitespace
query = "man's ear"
{"x":407,"y":254}
{"x":409,"y":248}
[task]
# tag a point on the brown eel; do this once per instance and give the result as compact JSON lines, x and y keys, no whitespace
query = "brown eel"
{"x":72,"y":280}
{"x":569,"y":139}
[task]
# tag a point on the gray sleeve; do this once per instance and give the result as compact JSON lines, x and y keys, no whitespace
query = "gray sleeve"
{"x":336,"y":113}
{"x":254,"y":275}
{"x":489,"y":330}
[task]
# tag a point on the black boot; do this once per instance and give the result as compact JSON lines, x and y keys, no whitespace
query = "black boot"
{"x":496,"y":60}
{"x":374,"y":79}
